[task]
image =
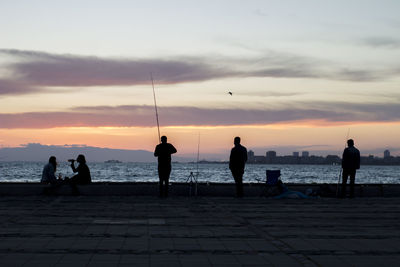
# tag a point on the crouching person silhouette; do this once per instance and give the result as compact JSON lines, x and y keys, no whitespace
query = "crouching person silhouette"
{"x":164,"y":151}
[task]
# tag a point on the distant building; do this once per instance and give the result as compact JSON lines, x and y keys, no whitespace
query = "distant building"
{"x":259,"y":159}
{"x":250,"y":156}
{"x":306,"y":158}
{"x":296,"y":154}
{"x":305,"y":154}
{"x":386,"y":154}
{"x":271,"y":154}
{"x":333,"y":159}
{"x":270,"y":157}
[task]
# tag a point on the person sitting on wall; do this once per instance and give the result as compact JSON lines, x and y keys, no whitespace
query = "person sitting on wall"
{"x":82,"y":178}
{"x":49,"y":176}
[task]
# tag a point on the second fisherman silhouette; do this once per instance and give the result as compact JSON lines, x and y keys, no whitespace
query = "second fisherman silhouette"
{"x":237,"y":161}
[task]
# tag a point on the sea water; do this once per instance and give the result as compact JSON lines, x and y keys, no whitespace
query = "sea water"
{"x":210,"y":172}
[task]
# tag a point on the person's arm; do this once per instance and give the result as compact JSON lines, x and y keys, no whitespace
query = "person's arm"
{"x":358,"y":159}
{"x":245,"y":155}
{"x":231,"y":159}
{"x":343,"y":157}
{"x":173,"y":149}
{"x":73,"y":167}
{"x":156,"y":152}
{"x":80,"y":170}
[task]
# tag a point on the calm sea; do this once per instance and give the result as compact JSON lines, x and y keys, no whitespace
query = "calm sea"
{"x":144,"y":172}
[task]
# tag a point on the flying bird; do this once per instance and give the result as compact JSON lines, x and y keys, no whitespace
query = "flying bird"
{"x":230,"y":93}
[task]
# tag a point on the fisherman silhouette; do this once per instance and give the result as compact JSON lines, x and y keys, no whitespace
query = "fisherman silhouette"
{"x":163,"y":151}
{"x":350,"y":163}
{"x":237,"y":161}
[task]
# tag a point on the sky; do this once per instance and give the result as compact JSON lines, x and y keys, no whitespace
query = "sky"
{"x":305,"y":75}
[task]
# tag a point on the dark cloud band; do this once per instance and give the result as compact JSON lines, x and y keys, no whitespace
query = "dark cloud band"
{"x":40,"y":69}
{"x":11,"y":87}
{"x":143,"y":116}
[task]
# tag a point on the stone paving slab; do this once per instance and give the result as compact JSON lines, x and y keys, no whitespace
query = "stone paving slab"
{"x":204,"y":231}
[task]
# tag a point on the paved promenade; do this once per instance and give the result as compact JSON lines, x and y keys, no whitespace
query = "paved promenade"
{"x":206,"y":231}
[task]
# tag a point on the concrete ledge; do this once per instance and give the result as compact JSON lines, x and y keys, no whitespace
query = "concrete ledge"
{"x":183,"y":189}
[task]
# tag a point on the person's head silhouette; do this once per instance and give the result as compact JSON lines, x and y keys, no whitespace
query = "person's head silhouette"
{"x":350,"y":142}
{"x":163,"y":139}
{"x":236,"y":141}
{"x":53,"y":160}
{"x":81,"y":159}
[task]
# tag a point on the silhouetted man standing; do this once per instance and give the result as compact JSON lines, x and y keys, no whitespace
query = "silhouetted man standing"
{"x":350,"y":163}
{"x":163,"y":152}
{"x":237,"y":161}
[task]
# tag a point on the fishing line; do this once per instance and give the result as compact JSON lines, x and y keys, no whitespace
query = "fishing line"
{"x":155,"y":107}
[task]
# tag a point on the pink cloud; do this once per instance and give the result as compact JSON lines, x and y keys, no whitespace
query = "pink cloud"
{"x":143,"y":116}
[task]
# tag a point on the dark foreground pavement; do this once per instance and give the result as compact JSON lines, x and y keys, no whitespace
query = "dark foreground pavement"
{"x":147,"y":231}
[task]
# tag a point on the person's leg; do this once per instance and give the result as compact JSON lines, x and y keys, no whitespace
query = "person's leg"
{"x":73,"y":183}
{"x":344,"y":182}
{"x":237,"y":175}
{"x":240,"y":185}
{"x":160,"y":179}
{"x":352,"y":182}
{"x":280,"y":186}
{"x":52,"y":188}
{"x":163,"y":174}
{"x":236,"y":181}
{"x":166,"y":186}
{"x":166,"y":180}
{"x":160,"y":184}
{"x":55,"y":185}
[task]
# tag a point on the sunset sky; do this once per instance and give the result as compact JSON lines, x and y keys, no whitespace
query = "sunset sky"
{"x":303,"y":74}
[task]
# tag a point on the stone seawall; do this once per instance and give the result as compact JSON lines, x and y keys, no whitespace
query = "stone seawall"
{"x":185,"y":189}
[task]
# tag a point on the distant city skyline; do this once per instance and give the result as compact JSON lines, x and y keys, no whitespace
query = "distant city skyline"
{"x":272,"y":153}
{"x":40,"y":152}
{"x":271,"y":157}
{"x":305,"y":74}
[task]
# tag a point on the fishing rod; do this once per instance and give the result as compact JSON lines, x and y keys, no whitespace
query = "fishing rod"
{"x":197,"y":164}
{"x":341,"y":169}
{"x":198,"y":156}
{"x":155,"y":107}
